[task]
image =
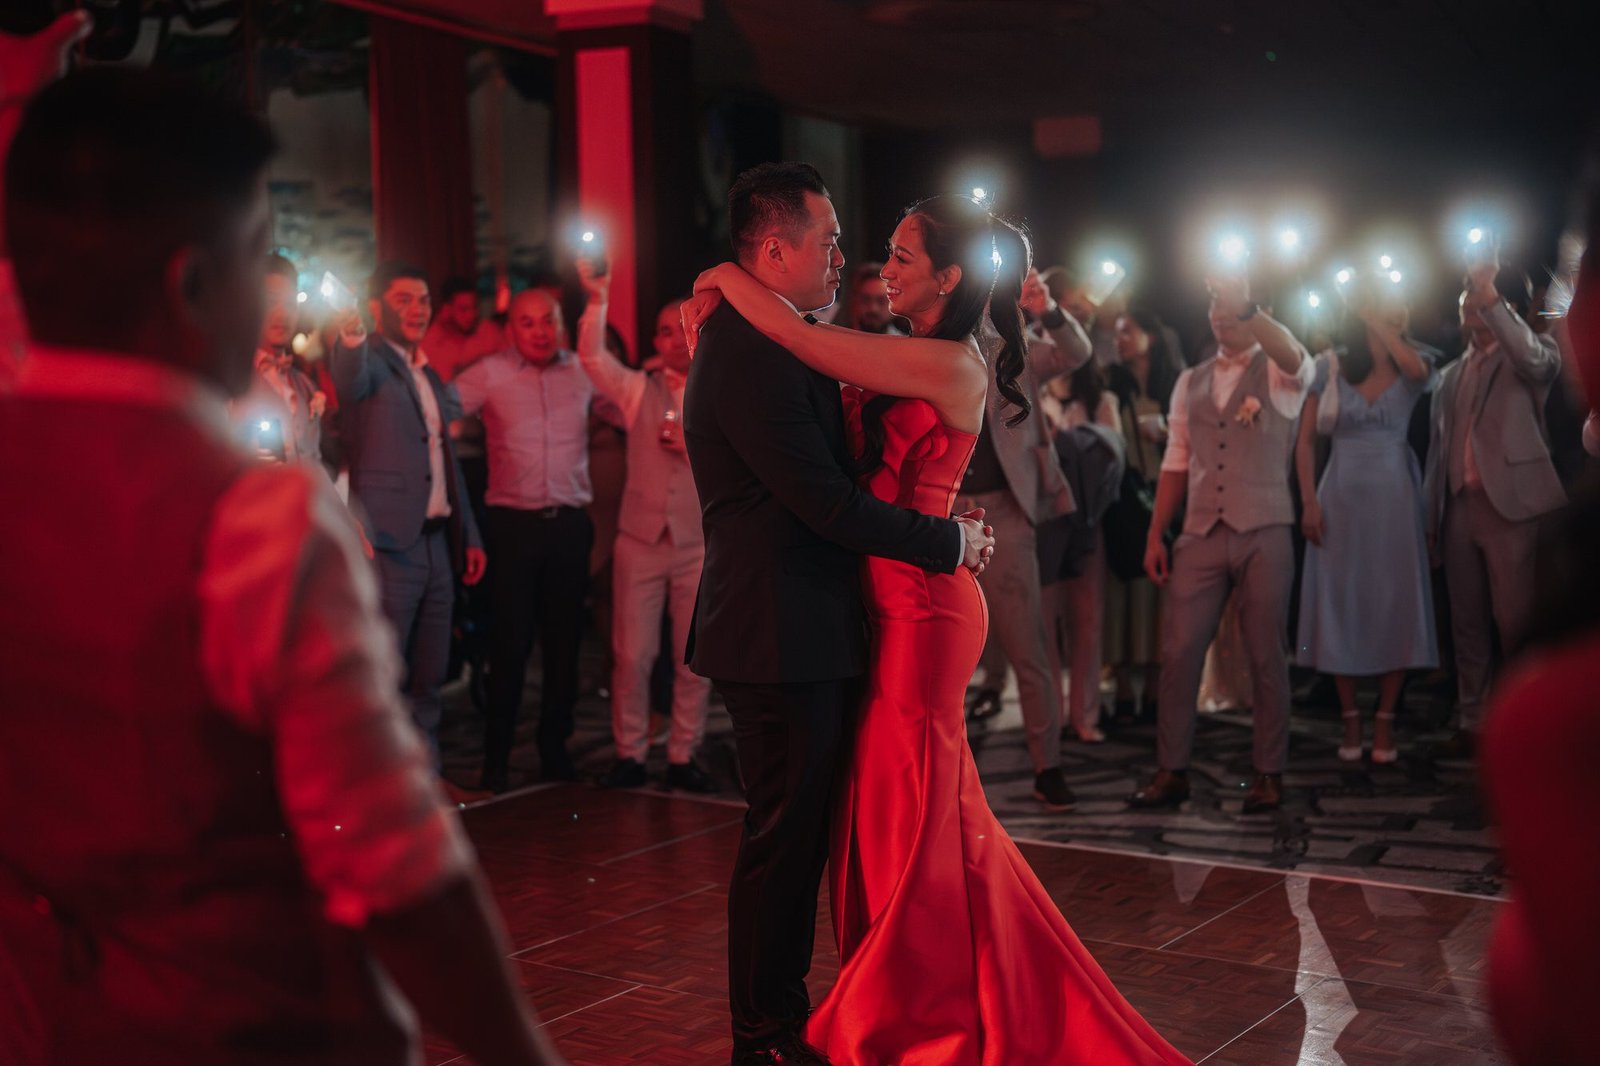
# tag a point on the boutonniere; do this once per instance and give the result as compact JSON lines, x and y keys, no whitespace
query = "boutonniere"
{"x":319,"y":403}
{"x":1249,"y":411}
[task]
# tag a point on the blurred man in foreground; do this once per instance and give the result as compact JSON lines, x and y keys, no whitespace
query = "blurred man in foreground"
{"x":229,"y":820}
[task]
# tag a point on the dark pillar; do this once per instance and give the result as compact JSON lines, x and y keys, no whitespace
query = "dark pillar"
{"x":421,"y":148}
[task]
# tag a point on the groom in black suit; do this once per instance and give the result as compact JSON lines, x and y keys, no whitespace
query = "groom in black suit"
{"x":780,"y":627}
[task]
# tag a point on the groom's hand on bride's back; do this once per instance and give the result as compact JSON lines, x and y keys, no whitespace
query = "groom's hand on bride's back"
{"x":979,"y":546}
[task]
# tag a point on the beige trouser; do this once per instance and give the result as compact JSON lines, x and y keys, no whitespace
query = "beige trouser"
{"x":1016,"y":622}
{"x":645,"y":579}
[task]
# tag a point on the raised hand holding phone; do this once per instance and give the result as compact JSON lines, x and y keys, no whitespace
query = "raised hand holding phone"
{"x":1483,"y":263}
{"x":345,"y":308}
{"x":592,"y":250}
{"x":596,"y":278}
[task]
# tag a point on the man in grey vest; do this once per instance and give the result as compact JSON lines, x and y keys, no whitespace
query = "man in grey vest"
{"x":1016,"y":478}
{"x":1232,"y":426}
{"x":659,"y":549}
{"x":1490,"y":479}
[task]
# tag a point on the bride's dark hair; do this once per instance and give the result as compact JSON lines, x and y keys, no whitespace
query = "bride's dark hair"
{"x":995,"y":256}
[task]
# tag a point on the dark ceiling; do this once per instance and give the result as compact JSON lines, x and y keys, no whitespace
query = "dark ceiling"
{"x":972,"y":63}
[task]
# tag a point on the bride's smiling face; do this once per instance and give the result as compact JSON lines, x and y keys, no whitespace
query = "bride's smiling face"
{"x":908,"y":273}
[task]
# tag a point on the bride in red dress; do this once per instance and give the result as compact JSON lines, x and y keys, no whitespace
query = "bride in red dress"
{"x":952,"y":952}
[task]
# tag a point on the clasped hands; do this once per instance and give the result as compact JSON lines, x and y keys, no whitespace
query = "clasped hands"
{"x":978,"y":545}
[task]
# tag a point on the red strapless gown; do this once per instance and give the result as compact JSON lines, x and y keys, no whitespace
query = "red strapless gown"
{"x":952,"y":952}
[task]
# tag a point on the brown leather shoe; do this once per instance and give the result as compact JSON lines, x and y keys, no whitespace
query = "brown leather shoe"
{"x":1266,"y":794}
{"x":1167,"y":789}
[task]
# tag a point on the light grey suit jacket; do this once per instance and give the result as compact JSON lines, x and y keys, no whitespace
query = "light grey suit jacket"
{"x":1026,"y":451}
{"x":1509,"y":441}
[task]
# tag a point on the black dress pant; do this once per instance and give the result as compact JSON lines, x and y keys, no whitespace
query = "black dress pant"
{"x":793,"y":743}
{"x":538,"y":576}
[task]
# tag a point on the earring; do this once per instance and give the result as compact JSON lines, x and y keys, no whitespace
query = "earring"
{"x":941,"y":292}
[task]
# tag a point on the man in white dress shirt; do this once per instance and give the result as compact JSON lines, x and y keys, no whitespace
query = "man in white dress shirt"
{"x":534,"y":400}
{"x":1232,"y":431}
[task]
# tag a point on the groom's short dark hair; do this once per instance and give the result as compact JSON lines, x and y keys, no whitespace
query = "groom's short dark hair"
{"x":770,"y":198}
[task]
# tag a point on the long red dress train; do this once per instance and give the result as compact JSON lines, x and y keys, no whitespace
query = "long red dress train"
{"x":952,"y":952}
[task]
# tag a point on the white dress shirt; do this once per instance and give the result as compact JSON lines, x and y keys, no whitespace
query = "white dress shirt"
{"x":438,"y":490}
{"x":1467,"y":395}
{"x":1286,"y":392}
{"x":294,"y":646}
{"x":536,"y":420}
{"x":622,"y":385}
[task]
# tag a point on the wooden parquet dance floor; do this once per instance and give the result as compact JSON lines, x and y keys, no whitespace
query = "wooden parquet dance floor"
{"x":616,"y":905}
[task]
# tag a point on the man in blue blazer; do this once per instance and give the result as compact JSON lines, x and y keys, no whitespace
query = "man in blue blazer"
{"x":405,"y":482}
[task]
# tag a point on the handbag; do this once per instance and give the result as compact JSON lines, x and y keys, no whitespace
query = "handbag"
{"x":1127,"y":525}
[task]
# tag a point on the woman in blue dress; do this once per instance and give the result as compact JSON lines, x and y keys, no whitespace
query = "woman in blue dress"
{"x":1366,"y":602}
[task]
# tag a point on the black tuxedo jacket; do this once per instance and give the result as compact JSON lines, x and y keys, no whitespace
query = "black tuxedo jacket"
{"x":785,"y":525}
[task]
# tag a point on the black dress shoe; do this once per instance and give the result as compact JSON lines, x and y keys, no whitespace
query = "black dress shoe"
{"x":1462,"y":745}
{"x":1167,"y":789}
{"x":626,"y":773}
{"x":688,"y":777}
{"x":1050,"y":788}
{"x":789,"y":1051}
{"x":983,"y":704}
{"x":1266,"y":794}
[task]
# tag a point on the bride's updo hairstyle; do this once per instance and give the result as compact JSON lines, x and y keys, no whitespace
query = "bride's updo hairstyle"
{"x":995,"y":256}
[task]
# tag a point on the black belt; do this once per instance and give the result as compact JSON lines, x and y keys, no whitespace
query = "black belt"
{"x":435,"y":525}
{"x":555,"y":511}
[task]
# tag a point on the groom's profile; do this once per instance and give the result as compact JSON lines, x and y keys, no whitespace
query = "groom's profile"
{"x":780,"y":626}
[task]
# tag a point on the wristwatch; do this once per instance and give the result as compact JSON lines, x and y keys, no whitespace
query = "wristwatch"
{"x":1250,"y":312}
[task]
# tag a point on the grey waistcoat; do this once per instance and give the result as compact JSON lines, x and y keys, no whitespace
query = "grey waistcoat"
{"x":1238,"y":474}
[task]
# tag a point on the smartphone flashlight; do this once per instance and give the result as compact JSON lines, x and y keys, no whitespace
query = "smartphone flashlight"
{"x":335,"y":294}
{"x":1105,"y":279}
{"x":269,"y":438}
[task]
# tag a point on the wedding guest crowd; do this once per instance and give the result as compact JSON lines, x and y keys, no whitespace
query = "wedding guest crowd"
{"x":1100,"y":600}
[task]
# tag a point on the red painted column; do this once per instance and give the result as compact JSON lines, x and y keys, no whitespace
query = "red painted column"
{"x":627,"y":141}
{"x":606,"y":169}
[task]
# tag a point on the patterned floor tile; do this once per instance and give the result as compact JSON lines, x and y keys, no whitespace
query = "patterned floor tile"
{"x":1423,"y":941}
{"x":553,"y":993}
{"x":1367,"y":1025}
{"x":1139,"y":900}
{"x":590,"y":824}
{"x":646,"y":1027}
